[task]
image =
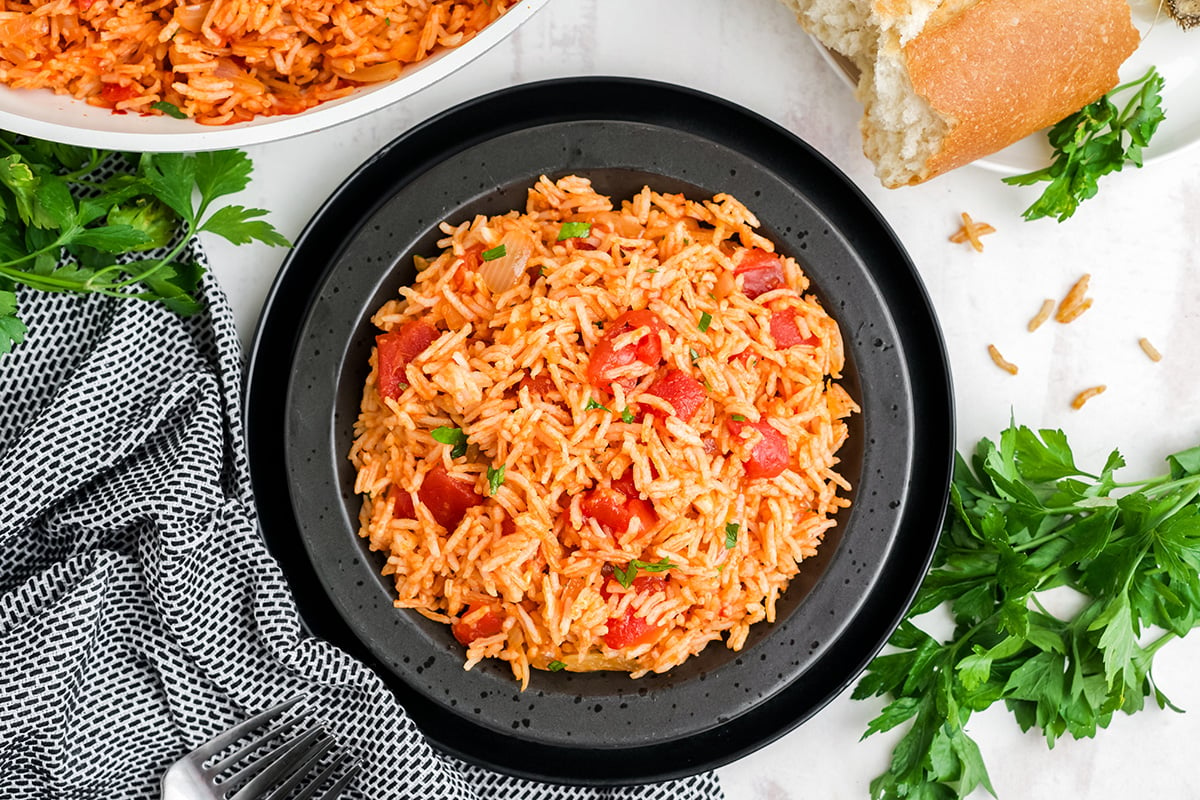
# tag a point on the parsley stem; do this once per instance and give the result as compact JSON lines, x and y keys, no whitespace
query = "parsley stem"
{"x":1154,"y":646}
{"x":1134,"y":82}
{"x":160,"y":263}
{"x":75,"y":175}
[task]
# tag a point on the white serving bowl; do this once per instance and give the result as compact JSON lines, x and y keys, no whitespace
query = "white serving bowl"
{"x":61,"y":118}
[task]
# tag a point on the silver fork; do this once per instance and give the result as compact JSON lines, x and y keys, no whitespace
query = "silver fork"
{"x":293,"y":759}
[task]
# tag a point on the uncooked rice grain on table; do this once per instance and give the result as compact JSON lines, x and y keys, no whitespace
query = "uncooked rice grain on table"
{"x":225,"y":61}
{"x":1042,"y":315}
{"x":1000,"y":361}
{"x":1075,"y":302}
{"x":538,"y":571}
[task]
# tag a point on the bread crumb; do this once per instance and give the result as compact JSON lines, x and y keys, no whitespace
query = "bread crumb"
{"x":971,"y":231}
{"x":1000,"y":361}
{"x":1042,"y":315}
{"x":1085,"y":395}
{"x":1150,"y":350}
{"x":1074,"y":302}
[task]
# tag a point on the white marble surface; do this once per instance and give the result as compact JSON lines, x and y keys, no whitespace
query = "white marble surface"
{"x":1139,"y":239}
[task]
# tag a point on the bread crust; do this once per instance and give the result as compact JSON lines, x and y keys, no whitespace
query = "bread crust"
{"x":998,"y":70}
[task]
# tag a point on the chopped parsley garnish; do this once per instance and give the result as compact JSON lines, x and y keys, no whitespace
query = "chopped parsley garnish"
{"x":170,"y":109}
{"x":627,"y":415}
{"x":693,"y":354}
{"x":574,"y":230}
{"x":739,"y":417}
{"x":556,"y":666}
{"x":496,"y":252}
{"x":705,"y":321}
{"x":652,"y":270}
{"x":593,"y":404}
{"x":495,"y":479}
{"x":453,"y":437}
{"x":731,"y":532}
{"x":625,"y":576}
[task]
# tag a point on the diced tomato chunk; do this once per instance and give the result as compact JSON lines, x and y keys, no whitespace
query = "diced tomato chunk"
{"x":471,"y":626}
{"x":402,"y":504}
{"x":770,"y":456}
{"x":113,"y":93}
{"x":643,"y":510}
{"x":760,"y":272}
{"x":786,"y":332}
{"x":631,"y":629}
{"x":396,"y":350}
{"x":626,"y":486}
{"x":605,"y":358}
{"x":539,"y":384}
{"x":446,"y":497}
{"x":682,"y":391}
{"x":608,"y":507}
{"x":473,"y":257}
{"x":615,"y":507}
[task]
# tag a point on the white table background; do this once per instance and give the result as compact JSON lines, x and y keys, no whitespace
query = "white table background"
{"x":1139,"y":239}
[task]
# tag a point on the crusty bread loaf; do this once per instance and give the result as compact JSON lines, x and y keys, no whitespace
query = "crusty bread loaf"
{"x":944,"y":82}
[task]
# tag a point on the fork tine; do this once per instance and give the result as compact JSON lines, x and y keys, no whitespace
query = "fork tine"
{"x":251,"y":746}
{"x":337,"y":788}
{"x":300,"y":774}
{"x":282,"y":759}
{"x":223,"y":740}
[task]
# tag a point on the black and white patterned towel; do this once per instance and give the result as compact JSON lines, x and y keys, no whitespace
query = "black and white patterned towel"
{"x":140,"y":612}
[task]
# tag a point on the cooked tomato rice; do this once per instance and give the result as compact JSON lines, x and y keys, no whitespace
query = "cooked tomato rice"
{"x":598,"y":438}
{"x":225,"y":61}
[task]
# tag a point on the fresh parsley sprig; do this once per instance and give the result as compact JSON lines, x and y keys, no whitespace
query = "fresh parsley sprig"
{"x":1098,"y":139}
{"x":64,"y":228}
{"x":1024,"y":520}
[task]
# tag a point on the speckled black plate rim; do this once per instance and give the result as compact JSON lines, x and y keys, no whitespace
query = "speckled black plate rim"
{"x":918,"y":517}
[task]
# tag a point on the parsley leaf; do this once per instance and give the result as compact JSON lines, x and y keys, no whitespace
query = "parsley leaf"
{"x":170,"y":109}
{"x":12,"y":330}
{"x":731,"y":534}
{"x":1023,"y":520}
{"x":593,"y":403}
{"x":455,"y":437}
{"x":1091,"y":143}
{"x":495,"y":478}
{"x":705,"y":321}
{"x":625,"y":576}
{"x":574,"y":230}
{"x":627,"y":415}
{"x":239,"y":225}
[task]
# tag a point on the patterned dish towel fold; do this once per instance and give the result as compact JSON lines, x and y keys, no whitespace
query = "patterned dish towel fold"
{"x":140,"y":612}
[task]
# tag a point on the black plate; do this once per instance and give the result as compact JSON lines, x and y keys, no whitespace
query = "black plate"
{"x":310,"y":360}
